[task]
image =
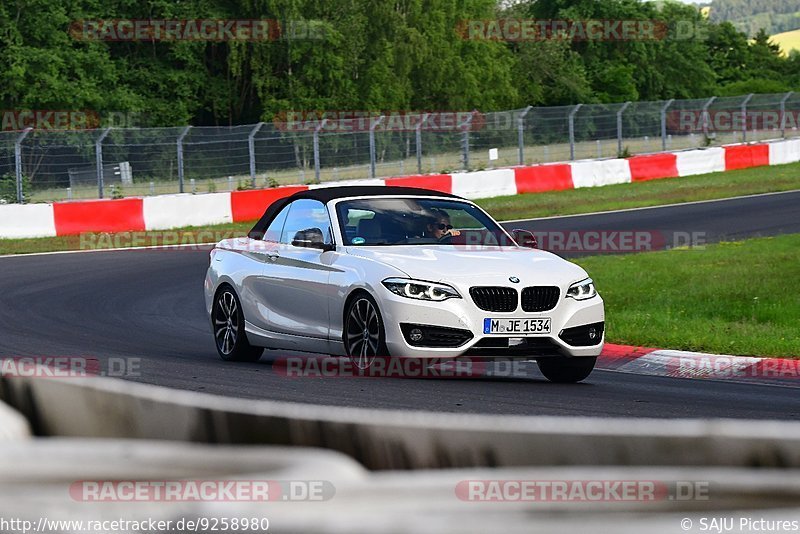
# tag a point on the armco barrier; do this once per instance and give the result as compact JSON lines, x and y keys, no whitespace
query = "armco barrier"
{"x":175,"y":211}
{"x":385,"y":439}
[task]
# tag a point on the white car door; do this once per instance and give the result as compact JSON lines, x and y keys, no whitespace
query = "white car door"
{"x":296,"y":278}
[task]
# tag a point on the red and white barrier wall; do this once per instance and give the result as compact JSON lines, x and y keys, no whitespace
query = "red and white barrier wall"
{"x":177,"y":211}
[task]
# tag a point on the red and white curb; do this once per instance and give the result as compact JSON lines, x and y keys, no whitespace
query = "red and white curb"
{"x":699,"y":365}
{"x":176,"y":211}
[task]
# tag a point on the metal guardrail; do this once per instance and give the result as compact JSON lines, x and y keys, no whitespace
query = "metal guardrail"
{"x":35,"y":164}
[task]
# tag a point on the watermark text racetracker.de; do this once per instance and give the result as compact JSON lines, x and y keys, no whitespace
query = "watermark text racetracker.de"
{"x":727,"y":367}
{"x":68,"y":367}
{"x":206,"y":30}
{"x":581,"y":491}
{"x":520,"y":29}
{"x":202,"y":490}
{"x":572,"y":241}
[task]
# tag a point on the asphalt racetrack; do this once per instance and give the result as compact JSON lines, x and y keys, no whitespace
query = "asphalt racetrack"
{"x":148,"y":304}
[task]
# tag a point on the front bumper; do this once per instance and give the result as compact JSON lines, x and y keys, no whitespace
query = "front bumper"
{"x":463,"y":315}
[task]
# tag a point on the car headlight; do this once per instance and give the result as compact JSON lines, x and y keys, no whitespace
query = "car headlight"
{"x":582,"y":290}
{"x":417,"y":289}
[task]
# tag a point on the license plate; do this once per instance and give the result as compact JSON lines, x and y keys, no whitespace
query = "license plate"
{"x":540,"y":325}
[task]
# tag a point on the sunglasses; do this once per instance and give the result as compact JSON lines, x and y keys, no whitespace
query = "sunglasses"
{"x":442,"y":226}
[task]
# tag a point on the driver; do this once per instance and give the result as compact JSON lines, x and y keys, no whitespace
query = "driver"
{"x":439,"y":227}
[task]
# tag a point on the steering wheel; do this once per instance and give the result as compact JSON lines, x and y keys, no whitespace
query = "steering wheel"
{"x":446,"y":238}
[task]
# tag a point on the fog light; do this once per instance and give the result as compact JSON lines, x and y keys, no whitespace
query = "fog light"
{"x":415,"y":335}
{"x":592,"y":332}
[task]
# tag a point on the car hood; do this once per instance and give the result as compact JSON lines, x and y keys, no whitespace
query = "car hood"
{"x":475,"y":265}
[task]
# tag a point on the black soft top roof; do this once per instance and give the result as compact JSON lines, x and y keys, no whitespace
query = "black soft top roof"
{"x":327,"y":194}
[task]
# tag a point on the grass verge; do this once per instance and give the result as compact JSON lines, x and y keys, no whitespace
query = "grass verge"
{"x":734,"y":298}
{"x":651,"y":193}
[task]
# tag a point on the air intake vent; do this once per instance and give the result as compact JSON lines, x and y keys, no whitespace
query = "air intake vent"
{"x":540,"y":298}
{"x":495,"y":299}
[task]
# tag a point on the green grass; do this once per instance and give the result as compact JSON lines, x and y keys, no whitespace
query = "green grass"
{"x":651,"y":193}
{"x":735,"y":298}
{"x":585,"y":200}
{"x":788,"y":41}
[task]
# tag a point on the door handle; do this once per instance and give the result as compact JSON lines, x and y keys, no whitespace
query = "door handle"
{"x":273,"y":256}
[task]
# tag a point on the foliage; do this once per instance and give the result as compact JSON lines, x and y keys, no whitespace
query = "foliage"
{"x":750,"y":16}
{"x":372,"y":55}
{"x":8,"y":188}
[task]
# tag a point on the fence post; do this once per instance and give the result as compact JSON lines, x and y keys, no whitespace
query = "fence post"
{"x":619,"y":127}
{"x":98,"y":154}
{"x":783,"y":113}
{"x":418,"y":134}
{"x":572,"y":130}
{"x":316,"y":149}
{"x":372,"y":156}
{"x":18,"y":163}
{"x":180,"y":157}
{"x":465,"y":127}
{"x":744,"y":117}
{"x":705,"y":115}
{"x":251,"y":148}
{"x":664,"y":109}
{"x":521,"y":134}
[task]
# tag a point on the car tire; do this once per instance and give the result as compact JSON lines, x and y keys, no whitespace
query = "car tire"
{"x":364,"y":335}
{"x":566,"y":370}
{"x":227,"y":321}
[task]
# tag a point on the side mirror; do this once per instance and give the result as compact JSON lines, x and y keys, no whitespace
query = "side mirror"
{"x":524,"y":238}
{"x":311,"y":238}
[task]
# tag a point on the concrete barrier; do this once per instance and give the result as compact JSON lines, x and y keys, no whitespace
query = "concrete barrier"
{"x":42,"y":480}
{"x":174,"y":211}
{"x":782,"y":152}
{"x":484,"y":184}
{"x":27,"y":220}
{"x":13,"y":426}
{"x":104,"y":407}
{"x":595,"y":173}
{"x":692,"y":162}
{"x":177,"y":211}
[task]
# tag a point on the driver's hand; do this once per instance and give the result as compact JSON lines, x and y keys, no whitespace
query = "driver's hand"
{"x":454,"y":232}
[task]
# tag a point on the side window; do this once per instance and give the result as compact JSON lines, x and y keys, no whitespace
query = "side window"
{"x":310,"y":219}
{"x":273,"y":233}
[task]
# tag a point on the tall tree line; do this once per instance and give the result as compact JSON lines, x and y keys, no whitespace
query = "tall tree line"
{"x":372,"y":55}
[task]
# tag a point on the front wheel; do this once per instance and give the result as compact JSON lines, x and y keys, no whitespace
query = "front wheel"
{"x":228,"y":321}
{"x":364,"y":335}
{"x":566,"y":370}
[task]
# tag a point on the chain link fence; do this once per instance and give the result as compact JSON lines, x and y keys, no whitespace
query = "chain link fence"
{"x":47,"y":165}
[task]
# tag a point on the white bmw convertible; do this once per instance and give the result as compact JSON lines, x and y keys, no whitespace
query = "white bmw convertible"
{"x":369,"y":272}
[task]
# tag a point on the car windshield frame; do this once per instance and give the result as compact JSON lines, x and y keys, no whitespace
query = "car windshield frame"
{"x":502,"y":238}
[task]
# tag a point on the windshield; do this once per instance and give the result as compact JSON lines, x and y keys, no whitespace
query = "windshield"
{"x":417,"y":221}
